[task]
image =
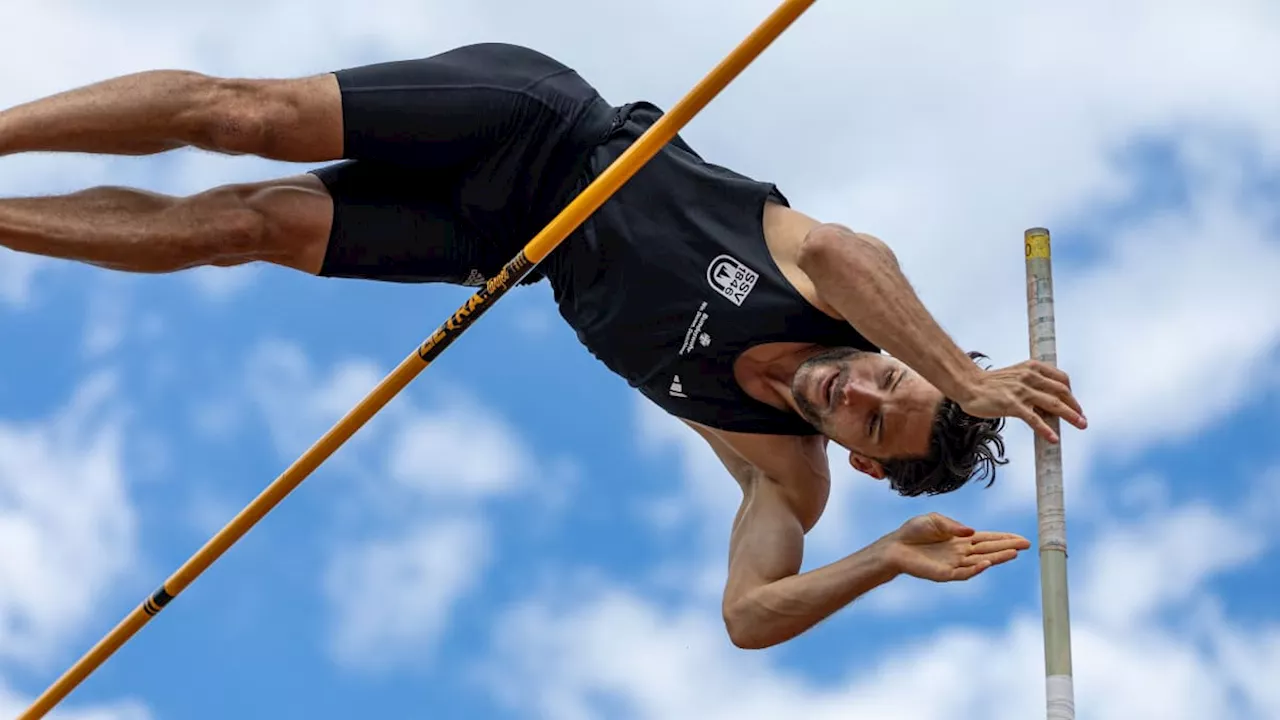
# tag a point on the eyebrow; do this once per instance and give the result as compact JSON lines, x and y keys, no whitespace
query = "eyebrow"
{"x":880,"y":430}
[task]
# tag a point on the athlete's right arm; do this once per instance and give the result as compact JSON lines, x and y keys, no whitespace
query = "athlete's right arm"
{"x":767,"y":600}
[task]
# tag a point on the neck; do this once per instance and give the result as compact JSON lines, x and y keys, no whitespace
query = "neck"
{"x":769,"y":369}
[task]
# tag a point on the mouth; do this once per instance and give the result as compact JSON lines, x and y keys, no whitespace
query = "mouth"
{"x":828,"y":389}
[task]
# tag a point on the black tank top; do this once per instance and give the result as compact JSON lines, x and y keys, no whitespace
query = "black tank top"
{"x":670,"y":281}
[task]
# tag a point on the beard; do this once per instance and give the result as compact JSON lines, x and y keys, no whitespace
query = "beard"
{"x":838,"y":356}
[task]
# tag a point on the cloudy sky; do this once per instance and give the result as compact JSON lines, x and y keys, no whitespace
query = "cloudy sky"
{"x":491,"y":548}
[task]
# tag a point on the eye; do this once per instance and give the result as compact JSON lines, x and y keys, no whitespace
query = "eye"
{"x":888,"y":379}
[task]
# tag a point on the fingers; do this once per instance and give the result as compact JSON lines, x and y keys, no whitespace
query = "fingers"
{"x":1050,"y":371}
{"x":989,"y":559}
{"x":1057,"y":408}
{"x":968,"y":572}
{"x":1055,"y":397}
{"x":1052,"y":381}
{"x":990,"y":549}
{"x":985,"y":540}
{"x":1037,"y":423}
{"x":970,"y":565}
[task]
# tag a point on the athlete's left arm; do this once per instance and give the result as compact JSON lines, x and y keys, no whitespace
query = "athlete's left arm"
{"x":858,"y":276}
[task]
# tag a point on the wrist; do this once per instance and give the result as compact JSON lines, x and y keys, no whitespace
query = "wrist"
{"x":887,"y":558}
{"x":966,"y":389}
{"x":964,"y":379}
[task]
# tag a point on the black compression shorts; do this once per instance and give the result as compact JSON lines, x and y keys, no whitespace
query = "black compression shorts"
{"x":455,"y":161}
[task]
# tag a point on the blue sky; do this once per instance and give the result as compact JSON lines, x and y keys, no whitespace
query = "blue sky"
{"x":519,"y":535}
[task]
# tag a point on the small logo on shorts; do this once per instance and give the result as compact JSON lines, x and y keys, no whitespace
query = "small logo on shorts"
{"x":731,"y":278}
{"x":475,"y":279}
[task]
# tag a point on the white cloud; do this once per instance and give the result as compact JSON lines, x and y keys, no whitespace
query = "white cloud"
{"x":461,"y":450}
{"x":219,"y":283}
{"x":392,"y":598}
{"x":1208,"y":269}
{"x":17,"y":273}
{"x":109,"y":315}
{"x":67,"y":536}
{"x":453,"y":448}
{"x":11,"y":705}
{"x":392,"y":592}
{"x":1134,"y":568}
{"x":298,"y":404}
{"x":67,"y":526}
{"x":535,"y":320}
{"x":1252,"y":660}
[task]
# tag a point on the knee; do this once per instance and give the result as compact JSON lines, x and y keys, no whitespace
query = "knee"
{"x":281,"y":221}
{"x":235,"y":227}
{"x":241,"y":117}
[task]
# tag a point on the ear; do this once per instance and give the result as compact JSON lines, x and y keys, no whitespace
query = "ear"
{"x":864,"y":464}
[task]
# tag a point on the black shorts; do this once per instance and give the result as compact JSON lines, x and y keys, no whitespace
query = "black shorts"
{"x":453,"y":162}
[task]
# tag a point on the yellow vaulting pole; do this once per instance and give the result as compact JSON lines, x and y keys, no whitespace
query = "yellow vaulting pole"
{"x":534,"y":252}
{"x":1050,"y":505}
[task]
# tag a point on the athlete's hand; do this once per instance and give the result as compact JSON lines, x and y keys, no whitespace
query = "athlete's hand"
{"x":935,"y":547}
{"x":1026,"y":390}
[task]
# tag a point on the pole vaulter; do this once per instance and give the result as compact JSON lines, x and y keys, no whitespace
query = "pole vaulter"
{"x":591,"y":198}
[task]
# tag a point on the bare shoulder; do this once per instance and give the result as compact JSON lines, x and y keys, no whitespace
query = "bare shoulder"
{"x":785,"y":230}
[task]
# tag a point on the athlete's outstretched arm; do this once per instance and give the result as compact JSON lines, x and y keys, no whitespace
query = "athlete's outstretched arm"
{"x":859,"y":276}
{"x":766,"y":599}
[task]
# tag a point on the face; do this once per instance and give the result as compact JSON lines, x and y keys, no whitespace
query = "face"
{"x":870,"y":403}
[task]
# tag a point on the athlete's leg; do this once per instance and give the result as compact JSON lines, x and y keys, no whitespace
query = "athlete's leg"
{"x":298,"y":120}
{"x":439,"y":111}
{"x":284,"y":221}
{"x":451,"y":154}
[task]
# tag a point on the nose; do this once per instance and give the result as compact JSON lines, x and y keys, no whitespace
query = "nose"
{"x":860,"y":394}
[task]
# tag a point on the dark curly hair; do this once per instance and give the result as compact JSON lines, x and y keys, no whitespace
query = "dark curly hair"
{"x":961,"y":447}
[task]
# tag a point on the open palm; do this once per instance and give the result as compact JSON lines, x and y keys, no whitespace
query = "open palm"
{"x":935,"y":547}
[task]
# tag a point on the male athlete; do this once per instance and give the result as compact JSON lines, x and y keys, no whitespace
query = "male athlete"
{"x":760,"y":327}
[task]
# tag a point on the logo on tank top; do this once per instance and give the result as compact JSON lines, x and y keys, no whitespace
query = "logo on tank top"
{"x":731,"y":278}
{"x":694,"y":334}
